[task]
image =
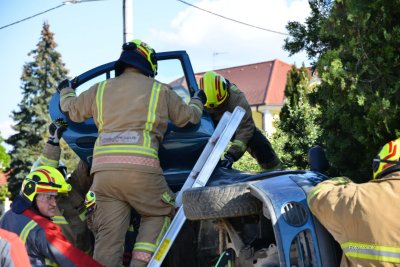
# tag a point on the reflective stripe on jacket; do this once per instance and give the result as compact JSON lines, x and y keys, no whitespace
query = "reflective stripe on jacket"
{"x":246,"y":127}
{"x":44,"y":241}
{"x":363,"y":218}
{"x":131,"y":113}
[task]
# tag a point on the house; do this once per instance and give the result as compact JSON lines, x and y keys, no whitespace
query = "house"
{"x":3,"y":182}
{"x":263,"y":84}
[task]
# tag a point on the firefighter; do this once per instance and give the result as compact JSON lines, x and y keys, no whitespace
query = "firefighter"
{"x":225,"y":96}
{"x":30,"y":218}
{"x":131,"y":113}
{"x":71,"y":215}
{"x":12,"y":250}
{"x":363,"y":218}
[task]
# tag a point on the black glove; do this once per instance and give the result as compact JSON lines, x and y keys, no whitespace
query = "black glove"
{"x":200,"y":95}
{"x":64,"y":84}
{"x":227,"y":162}
{"x":56,"y":129}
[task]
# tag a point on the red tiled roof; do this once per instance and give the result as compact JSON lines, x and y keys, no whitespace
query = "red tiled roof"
{"x":262,"y":83}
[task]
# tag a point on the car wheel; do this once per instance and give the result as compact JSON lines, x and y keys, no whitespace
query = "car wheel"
{"x":215,"y":202}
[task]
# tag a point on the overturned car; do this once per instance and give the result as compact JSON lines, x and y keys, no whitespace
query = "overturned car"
{"x":238,"y":219}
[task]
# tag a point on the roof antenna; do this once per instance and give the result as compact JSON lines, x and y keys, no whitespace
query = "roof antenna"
{"x":214,"y":55}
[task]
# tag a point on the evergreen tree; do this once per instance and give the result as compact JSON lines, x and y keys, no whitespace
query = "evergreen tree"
{"x":297,"y":128}
{"x":38,"y":82}
{"x":359,"y":94}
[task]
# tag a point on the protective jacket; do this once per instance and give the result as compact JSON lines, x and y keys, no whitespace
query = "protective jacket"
{"x":246,"y":128}
{"x":44,"y":241}
{"x":130,"y":127}
{"x":12,"y":250}
{"x":363,"y":218}
{"x":72,"y":217}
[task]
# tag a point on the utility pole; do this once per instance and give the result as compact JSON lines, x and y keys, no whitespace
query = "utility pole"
{"x":128,"y":20}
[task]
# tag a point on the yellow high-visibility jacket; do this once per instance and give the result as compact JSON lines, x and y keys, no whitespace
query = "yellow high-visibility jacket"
{"x":363,"y":218}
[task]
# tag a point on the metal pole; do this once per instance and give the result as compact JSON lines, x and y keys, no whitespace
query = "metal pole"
{"x":128,"y":20}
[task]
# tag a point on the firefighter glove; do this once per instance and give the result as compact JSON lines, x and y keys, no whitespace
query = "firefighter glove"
{"x":56,"y":129}
{"x":200,"y":95}
{"x":64,"y":84}
{"x":227,"y":162}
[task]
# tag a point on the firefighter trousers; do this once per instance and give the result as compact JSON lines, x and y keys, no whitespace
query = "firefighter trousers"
{"x":116,"y":193}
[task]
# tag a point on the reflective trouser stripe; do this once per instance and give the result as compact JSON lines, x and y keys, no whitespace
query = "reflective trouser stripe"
{"x":145,"y":246}
{"x":240,"y":144}
{"x":151,"y":113}
{"x":25,"y":232}
{"x":167,"y":223}
{"x":149,"y":247}
{"x":371,"y":252}
{"x":43,"y":161}
{"x":99,"y":103}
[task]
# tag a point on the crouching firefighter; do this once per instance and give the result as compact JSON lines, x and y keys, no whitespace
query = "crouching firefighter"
{"x":71,"y":214}
{"x":131,"y":112}
{"x":30,"y":218}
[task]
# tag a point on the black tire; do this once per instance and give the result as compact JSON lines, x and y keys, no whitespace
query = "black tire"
{"x":215,"y":202}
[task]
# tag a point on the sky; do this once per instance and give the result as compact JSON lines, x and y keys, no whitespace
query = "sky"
{"x":90,"y":33}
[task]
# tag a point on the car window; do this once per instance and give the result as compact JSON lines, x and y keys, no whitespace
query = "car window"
{"x":171,"y":73}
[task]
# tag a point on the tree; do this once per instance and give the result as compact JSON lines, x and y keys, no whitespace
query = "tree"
{"x":4,"y":157}
{"x":310,"y":37}
{"x":297,"y":129}
{"x":39,"y":80}
{"x":4,"y":161}
{"x":359,"y":94}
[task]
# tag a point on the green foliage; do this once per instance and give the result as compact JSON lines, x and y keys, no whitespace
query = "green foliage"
{"x":359,"y":69}
{"x":38,"y":82}
{"x":247,"y":164}
{"x":4,"y":157}
{"x":297,"y":130}
{"x":310,"y":37}
{"x":4,"y":193}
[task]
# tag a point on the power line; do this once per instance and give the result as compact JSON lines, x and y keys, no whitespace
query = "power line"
{"x":5,"y":26}
{"x":64,"y":3}
{"x":234,"y":20}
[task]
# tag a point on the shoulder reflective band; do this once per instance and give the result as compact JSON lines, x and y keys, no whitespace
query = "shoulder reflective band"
{"x":99,"y":103}
{"x":367,"y":251}
{"x":151,"y":113}
{"x":25,"y":232}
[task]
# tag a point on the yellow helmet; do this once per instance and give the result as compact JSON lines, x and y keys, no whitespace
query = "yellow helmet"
{"x":139,"y":55}
{"x":387,"y":160}
{"x":215,"y":87}
{"x":90,"y":201}
{"x":44,"y":179}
